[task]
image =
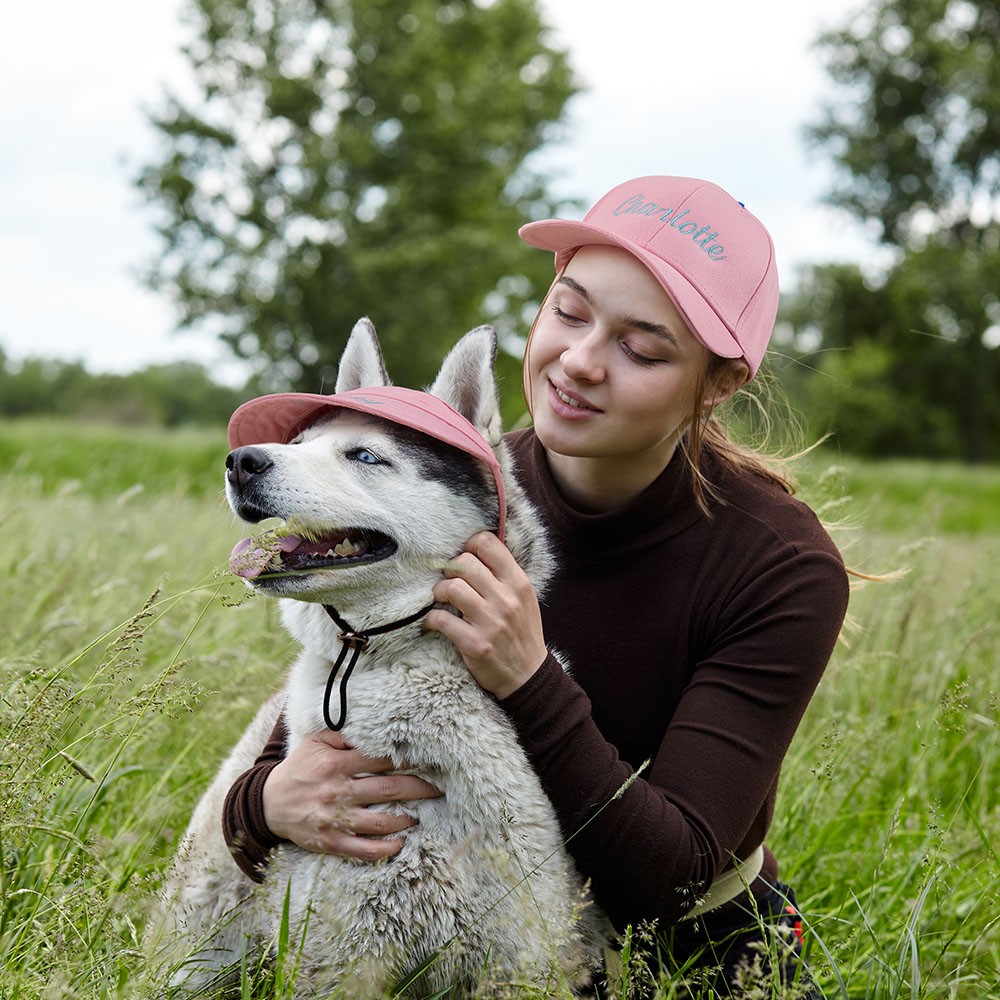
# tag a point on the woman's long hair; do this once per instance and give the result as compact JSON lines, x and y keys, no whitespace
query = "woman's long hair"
{"x":706,"y":433}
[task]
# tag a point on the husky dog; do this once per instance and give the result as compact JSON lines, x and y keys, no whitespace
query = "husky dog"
{"x":482,"y":895}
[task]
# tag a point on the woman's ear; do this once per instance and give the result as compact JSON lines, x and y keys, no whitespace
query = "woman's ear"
{"x":731,"y":376}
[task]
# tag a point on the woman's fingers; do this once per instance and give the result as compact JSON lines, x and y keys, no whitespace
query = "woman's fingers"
{"x":486,"y":564}
{"x":369,"y":790}
{"x":319,"y":797}
{"x":498,"y":626}
{"x":339,"y":827}
{"x":359,"y":848}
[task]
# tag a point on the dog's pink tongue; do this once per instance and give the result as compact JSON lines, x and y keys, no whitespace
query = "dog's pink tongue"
{"x":251,"y":556}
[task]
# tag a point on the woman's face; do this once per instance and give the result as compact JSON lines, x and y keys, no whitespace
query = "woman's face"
{"x":612,"y":366}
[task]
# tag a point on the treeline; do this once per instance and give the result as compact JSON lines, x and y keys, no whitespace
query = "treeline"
{"x":860,"y":411}
{"x":169,"y":395}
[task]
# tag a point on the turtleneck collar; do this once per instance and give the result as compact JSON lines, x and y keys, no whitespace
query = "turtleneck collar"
{"x":665,"y":508}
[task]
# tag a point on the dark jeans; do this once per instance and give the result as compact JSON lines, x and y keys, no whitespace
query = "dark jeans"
{"x":731,"y":950}
{"x":726,"y":954}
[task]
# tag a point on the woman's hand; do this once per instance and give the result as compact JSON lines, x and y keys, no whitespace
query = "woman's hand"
{"x":499,"y":633}
{"x":317,"y":797}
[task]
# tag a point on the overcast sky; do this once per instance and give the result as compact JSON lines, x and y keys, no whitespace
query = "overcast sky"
{"x":718,"y":90}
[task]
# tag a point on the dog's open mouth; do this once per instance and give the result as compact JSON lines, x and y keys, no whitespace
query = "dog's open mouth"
{"x":272,"y":553}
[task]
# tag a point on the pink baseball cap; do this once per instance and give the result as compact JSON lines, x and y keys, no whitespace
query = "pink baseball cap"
{"x":713,"y":258}
{"x":282,"y":416}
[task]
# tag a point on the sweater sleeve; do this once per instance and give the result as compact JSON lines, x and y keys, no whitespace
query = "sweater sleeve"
{"x":651,"y":843}
{"x":243,"y":825}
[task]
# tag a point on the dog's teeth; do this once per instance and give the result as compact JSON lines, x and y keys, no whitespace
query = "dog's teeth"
{"x":345,"y":548}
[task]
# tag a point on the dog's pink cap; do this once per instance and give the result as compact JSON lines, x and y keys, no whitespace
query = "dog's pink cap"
{"x":713,"y":258}
{"x":282,"y":416}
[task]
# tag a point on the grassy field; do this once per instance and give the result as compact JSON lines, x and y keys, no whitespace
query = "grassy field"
{"x":130,"y":661}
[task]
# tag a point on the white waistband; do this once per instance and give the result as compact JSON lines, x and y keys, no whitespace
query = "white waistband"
{"x":729,"y":884}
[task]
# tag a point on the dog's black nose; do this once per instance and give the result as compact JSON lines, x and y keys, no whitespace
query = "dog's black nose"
{"x":245,"y":463}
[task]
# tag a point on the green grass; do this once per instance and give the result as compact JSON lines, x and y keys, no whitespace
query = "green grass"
{"x":130,"y":661}
{"x":896,"y":494}
{"x":106,"y":461}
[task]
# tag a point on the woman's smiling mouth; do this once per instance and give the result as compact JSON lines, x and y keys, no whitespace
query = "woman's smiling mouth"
{"x":571,"y":400}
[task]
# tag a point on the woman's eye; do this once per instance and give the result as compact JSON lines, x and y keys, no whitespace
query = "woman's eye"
{"x":565,"y":316}
{"x":640,"y":359}
{"x":364,"y":456}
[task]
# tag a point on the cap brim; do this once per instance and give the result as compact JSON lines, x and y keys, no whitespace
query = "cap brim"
{"x":564,"y":238}
{"x":277,"y":418}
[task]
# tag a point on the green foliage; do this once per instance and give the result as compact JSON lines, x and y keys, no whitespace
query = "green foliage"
{"x":905,"y":366}
{"x":914,"y":121}
{"x":108,"y":461}
{"x":948,"y":499}
{"x":911,"y":358}
{"x":349,"y":158}
{"x":161,"y":395}
{"x":172,"y":395}
{"x":130,"y":661}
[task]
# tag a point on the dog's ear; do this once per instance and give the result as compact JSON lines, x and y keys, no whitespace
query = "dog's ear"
{"x":361,"y":364}
{"x":467,"y":382}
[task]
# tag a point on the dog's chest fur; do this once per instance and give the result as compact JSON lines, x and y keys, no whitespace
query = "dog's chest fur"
{"x":424,"y":711}
{"x":483,"y":862}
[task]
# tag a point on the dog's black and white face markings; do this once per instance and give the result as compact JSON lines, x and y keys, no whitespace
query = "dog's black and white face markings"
{"x":354,"y":490}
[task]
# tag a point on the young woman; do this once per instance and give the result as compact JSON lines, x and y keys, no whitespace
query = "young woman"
{"x":697,"y":601}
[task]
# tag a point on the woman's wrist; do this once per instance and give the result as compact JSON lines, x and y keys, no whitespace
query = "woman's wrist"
{"x":513,"y":682}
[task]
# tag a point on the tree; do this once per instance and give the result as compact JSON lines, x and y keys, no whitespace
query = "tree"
{"x":355,"y":157}
{"x":900,"y":368}
{"x":913,"y":128}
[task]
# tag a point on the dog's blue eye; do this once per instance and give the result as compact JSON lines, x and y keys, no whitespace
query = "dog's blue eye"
{"x":365,"y":456}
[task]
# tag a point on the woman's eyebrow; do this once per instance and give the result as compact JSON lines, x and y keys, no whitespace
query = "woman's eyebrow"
{"x":577,"y":287}
{"x":657,"y":329}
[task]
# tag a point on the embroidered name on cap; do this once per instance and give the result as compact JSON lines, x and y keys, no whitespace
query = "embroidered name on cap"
{"x":637,"y":205}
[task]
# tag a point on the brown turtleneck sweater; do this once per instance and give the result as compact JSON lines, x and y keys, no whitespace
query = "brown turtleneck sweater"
{"x":694,"y":643}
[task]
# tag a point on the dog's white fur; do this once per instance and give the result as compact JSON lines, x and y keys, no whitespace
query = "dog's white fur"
{"x":483,"y":886}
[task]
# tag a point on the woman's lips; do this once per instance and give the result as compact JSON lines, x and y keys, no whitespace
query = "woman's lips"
{"x":569,"y":403}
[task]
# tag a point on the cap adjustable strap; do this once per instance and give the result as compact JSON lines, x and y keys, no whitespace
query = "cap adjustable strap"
{"x":355,"y":642}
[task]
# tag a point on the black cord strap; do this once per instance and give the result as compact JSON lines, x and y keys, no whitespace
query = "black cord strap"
{"x":355,"y":642}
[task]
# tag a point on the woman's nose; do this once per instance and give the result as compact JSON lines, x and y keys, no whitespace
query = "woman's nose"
{"x":584,"y":360}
